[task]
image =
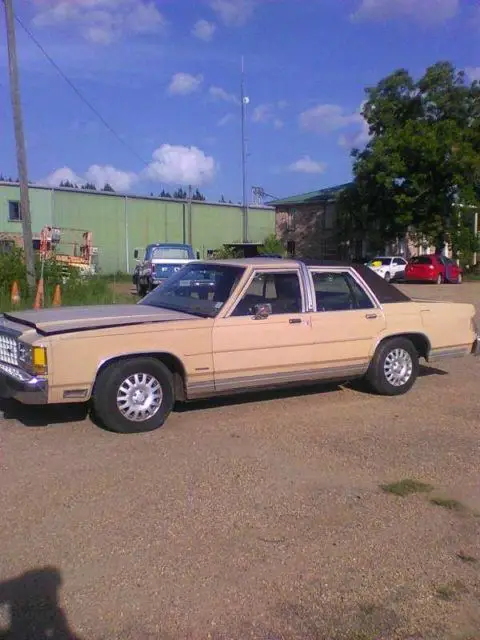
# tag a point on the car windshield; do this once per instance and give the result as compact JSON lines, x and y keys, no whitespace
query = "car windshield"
{"x":379,"y":262}
{"x":170,"y":253}
{"x":199,"y":289}
{"x":421,"y":260}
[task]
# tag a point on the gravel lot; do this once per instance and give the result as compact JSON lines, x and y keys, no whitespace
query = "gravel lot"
{"x":258,"y":518}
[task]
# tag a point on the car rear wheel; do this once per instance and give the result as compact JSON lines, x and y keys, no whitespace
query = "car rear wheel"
{"x":134,"y":395}
{"x":394,"y":367}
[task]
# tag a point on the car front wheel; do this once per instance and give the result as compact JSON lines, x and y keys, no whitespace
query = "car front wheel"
{"x":134,"y":395}
{"x":394,"y":367}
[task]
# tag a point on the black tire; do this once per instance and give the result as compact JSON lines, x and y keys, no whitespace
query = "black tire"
{"x":377,"y":376}
{"x":107,"y":388}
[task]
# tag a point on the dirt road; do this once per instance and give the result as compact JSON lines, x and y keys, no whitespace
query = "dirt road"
{"x":250,"y":518}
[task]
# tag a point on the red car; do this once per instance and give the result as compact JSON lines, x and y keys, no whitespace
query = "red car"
{"x":433,"y":268}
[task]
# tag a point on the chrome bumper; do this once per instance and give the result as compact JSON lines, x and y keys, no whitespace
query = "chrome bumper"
{"x":20,"y":385}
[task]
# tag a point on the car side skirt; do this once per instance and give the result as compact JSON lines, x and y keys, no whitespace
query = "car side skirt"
{"x":245,"y":384}
{"x":449,"y":352}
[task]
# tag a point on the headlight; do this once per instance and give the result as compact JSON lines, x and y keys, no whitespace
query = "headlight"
{"x":33,"y":358}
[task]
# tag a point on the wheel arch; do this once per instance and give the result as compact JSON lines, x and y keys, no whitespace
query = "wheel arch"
{"x":170,"y":360}
{"x":419,"y":340}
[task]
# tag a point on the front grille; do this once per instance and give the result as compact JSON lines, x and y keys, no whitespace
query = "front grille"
{"x":8,"y":350}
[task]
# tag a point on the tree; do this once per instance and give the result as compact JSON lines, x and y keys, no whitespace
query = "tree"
{"x":198,"y":196}
{"x":180,"y":194}
{"x":67,"y":184}
{"x":108,"y":187}
{"x":423,"y":157}
{"x":89,"y":186}
{"x":273,"y":246}
{"x":222,"y":199}
{"x":165,"y":194}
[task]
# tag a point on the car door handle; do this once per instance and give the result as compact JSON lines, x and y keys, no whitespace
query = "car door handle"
{"x":371,"y":316}
{"x":295,"y":321}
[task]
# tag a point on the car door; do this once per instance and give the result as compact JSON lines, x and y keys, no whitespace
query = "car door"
{"x":398,"y":268}
{"x":346,"y":323}
{"x":252,"y":350}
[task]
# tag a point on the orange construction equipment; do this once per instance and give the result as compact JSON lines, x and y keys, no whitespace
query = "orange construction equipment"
{"x":39,"y":297}
{"x":15,"y":297}
{"x":57,"y":297}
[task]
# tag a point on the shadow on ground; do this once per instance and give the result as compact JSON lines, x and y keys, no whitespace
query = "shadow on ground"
{"x":44,"y":416}
{"x":31,"y":604}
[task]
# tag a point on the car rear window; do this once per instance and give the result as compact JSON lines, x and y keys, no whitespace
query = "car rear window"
{"x":421,"y":260}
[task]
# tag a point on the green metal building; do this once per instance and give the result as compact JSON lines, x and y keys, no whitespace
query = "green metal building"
{"x":121,"y":223}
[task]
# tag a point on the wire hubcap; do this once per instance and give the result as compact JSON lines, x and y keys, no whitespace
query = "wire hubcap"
{"x":398,"y":367}
{"x":139,"y":397}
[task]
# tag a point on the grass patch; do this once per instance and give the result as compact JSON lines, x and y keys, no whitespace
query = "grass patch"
{"x":448,"y":503}
{"x":451,"y":591}
{"x":77,"y":292}
{"x":464,"y":557}
{"x":406,"y":487}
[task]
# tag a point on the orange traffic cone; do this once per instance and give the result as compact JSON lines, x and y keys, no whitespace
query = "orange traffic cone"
{"x":15,"y":297}
{"x":57,"y":297}
{"x":39,"y":297}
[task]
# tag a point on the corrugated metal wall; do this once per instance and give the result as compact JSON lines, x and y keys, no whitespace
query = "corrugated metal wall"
{"x":120,"y":224}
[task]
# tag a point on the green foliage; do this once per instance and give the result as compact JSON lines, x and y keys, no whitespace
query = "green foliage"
{"x":272,"y":245}
{"x":108,"y":187}
{"x":226,"y":253}
{"x":422,"y":160}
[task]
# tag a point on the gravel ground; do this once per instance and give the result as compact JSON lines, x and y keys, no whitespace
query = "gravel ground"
{"x":253,"y":518}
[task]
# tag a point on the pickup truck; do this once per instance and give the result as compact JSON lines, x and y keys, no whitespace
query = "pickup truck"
{"x":223,"y":327}
{"x":158,"y":263}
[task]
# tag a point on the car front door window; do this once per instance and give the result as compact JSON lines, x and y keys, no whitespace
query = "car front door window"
{"x":281,"y":290}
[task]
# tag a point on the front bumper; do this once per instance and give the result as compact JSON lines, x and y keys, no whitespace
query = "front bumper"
{"x":20,"y":385}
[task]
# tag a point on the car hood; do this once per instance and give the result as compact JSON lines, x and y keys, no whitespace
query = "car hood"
{"x":65,"y":319}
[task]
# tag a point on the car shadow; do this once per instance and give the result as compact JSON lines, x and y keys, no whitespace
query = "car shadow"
{"x":51,"y":415}
{"x":33,"y":609}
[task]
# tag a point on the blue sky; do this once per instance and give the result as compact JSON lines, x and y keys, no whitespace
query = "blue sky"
{"x":165,"y":74}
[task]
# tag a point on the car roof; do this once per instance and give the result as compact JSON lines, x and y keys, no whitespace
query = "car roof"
{"x":383,"y":290}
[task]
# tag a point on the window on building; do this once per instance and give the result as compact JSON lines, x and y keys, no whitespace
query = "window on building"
{"x":14,"y":214}
{"x":291,"y":248}
{"x":291,"y":219}
{"x":339,"y":292}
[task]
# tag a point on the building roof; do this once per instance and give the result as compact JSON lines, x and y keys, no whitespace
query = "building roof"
{"x":132,"y":196}
{"x":322,"y":195}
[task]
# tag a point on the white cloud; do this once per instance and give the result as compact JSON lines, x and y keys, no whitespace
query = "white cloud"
{"x":217,"y":93}
{"x":325,"y":118}
{"x":225,"y":120}
{"x":119,"y":180}
{"x":175,"y":164}
{"x":433,"y":11}
{"x":473,"y":73}
{"x":307,"y":165}
{"x":96,"y":174}
{"x":182,"y":84}
{"x":101,"y":21}
{"x":64,"y":174}
{"x":204,"y":30}
{"x":233,"y":13}
{"x":266,"y":114}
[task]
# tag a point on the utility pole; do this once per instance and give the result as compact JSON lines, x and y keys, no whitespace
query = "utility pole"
{"x":244,"y":101}
{"x":20,"y":143}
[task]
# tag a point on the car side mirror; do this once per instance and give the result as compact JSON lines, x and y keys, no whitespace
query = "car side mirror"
{"x":262,"y":311}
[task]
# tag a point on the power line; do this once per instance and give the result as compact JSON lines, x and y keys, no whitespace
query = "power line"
{"x":79,"y":93}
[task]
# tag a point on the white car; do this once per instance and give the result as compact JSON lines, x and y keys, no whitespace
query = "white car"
{"x":388,"y":267}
